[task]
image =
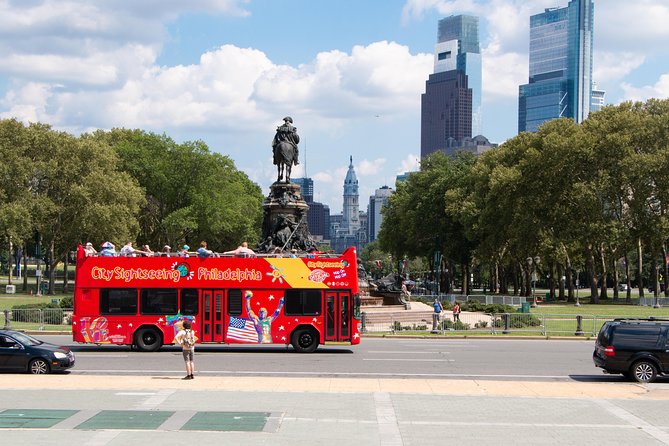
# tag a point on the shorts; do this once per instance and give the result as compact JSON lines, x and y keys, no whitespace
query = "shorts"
{"x":188,"y":355}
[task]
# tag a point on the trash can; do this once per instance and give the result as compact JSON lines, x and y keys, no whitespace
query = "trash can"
{"x":525,"y":307}
{"x":548,"y":296}
{"x":10,"y":289}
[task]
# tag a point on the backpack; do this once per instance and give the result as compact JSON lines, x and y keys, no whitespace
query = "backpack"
{"x":188,"y":340}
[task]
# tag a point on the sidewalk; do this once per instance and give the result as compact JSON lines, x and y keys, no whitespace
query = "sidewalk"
{"x":127,"y":410}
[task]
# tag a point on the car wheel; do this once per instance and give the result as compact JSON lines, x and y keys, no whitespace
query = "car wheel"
{"x":39,"y":366}
{"x":305,"y":340}
{"x":148,"y":340}
{"x":644,"y":371}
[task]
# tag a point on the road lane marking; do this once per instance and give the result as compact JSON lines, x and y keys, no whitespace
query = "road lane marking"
{"x":409,"y":359}
{"x":404,"y":352}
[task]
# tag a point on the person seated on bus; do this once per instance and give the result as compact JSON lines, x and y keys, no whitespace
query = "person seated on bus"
{"x":108,"y":250}
{"x":167,"y":251}
{"x":128,"y":250}
{"x":184,"y":251}
{"x":313,"y":253}
{"x":89,"y":250}
{"x":293,"y":253}
{"x":203,"y":252}
{"x":242,"y":251}
{"x":146,"y":251}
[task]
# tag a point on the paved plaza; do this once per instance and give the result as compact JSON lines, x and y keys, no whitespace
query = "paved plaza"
{"x":126,"y":410}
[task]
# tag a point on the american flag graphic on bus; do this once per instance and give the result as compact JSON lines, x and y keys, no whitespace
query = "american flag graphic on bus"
{"x":241,"y":329}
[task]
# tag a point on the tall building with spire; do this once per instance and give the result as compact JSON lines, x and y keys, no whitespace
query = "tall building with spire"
{"x":560,"y":80}
{"x":350,"y":230}
{"x":351,"y":210}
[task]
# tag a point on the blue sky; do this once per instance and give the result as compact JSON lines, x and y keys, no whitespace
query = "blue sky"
{"x":349,"y":72}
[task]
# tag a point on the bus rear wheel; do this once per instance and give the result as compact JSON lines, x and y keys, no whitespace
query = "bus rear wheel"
{"x":305,"y":340}
{"x":148,"y":340}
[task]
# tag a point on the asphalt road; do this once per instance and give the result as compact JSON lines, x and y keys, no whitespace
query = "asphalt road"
{"x":497,"y":359}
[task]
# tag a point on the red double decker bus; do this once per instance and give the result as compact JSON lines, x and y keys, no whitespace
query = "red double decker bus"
{"x":141,"y":301}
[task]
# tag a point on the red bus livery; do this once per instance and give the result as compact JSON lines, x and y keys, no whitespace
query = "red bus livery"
{"x":141,"y":301}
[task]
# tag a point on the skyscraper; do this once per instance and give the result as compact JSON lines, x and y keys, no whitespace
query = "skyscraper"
{"x":374,"y":216}
{"x":318,"y":215}
{"x":560,"y":78}
{"x":451,"y":104}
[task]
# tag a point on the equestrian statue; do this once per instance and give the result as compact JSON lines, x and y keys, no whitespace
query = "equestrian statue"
{"x":284,"y":148}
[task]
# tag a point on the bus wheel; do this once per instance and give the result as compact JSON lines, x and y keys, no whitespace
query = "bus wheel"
{"x":305,"y":340}
{"x":148,"y":340}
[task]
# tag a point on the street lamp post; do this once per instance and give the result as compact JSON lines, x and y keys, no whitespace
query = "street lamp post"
{"x":577,"y":304}
{"x":532,"y":263}
{"x":656,"y":292}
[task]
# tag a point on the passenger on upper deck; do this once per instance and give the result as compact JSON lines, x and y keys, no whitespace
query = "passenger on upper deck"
{"x":184,"y":251}
{"x":108,"y":250}
{"x":167,"y":251}
{"x":242,"y":251}
{"x":128,"y":250}
{"x":202,"y":251}
{"x":146,"y":251}
{"x":89,"y":250}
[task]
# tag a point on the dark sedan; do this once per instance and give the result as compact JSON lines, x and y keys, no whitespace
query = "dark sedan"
{"x":20,"y":352}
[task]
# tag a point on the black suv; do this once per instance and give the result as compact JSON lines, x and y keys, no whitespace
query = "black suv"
{"x":637,"y":348}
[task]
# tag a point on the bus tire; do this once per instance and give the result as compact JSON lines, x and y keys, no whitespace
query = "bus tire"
{"x":148,"y":340}
{"x":304,"y":340}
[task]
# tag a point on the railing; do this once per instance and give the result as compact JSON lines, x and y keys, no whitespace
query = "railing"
{"x":524,"y":324}
{"x":45,"y":319}
{"x":487,"y":299}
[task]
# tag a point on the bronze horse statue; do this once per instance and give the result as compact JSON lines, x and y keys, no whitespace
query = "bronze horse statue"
{"x":285,"y":149}
{"x":284,"y":158}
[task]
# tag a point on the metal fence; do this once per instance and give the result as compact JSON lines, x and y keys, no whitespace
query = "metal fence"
{"x":483,"y":298}
{"x":46,"y":319}
{"x":490,"y":324}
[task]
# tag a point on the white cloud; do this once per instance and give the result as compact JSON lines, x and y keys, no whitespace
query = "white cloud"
{"x":370,"y":168}
{"x":609,"y":67}
{"x":409,"y":164}
{"x":660,"y":90}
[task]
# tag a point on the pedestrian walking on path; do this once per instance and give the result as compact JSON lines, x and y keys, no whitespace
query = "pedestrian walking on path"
{"x":456,"y":312}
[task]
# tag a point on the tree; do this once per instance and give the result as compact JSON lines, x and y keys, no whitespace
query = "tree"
{"x":192,"y":194}
{"x":74,"y":190}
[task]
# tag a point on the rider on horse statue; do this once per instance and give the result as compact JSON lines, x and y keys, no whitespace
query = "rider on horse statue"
{"x":286,"y":133}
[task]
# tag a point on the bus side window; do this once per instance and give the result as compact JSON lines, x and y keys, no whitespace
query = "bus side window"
{"x":189,"y":302}
{"x":158,"y":301}
{"x":303,"y":302}
{"x":118,"y":301}
{"x":235,"y":302}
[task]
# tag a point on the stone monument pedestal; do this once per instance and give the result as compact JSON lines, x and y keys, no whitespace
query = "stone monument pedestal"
{"x":285,"y":224}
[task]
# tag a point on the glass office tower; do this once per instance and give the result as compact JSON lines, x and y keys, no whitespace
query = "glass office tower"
{"x":451,"y":104}
{"x":560,"y":80}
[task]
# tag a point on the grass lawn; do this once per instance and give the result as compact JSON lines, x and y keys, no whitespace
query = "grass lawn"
{"x":7,"y":301}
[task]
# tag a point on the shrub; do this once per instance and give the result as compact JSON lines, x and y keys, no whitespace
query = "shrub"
{"x":67,"y":302}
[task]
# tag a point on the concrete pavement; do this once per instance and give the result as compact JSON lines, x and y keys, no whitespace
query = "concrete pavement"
{"x":327,"y":411}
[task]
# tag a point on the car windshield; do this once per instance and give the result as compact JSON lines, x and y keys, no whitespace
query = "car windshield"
{"x":25,"y":339}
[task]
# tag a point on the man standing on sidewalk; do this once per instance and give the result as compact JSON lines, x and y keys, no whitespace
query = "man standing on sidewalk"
{"x":437,"y":314}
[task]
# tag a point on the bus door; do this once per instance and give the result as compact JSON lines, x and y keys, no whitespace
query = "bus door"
{"x":212,"y":316}
{"x":337,"y":316}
